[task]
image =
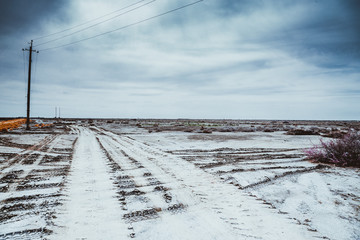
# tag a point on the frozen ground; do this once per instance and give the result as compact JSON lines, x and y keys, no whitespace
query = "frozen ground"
{"x":121,"y":179}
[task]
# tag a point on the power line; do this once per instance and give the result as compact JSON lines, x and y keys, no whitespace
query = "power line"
{"x":82,"y":24}
{"x":83,"y":29}
{"x":126,"y":26}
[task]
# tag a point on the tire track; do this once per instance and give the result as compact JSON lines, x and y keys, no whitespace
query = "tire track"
{"x":33,"y":161}
{"x":90,"y":210}
{"x":143,"y":183}
{"x":24,"y":155}
{"x":34,"y":194}
{"x":157,"y":195}
{"x":234,"y":167}
{"x":245,"y":215}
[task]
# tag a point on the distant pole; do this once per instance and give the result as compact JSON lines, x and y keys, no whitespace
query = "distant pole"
{"x":28,"y":92}
{"x":29,"y":85}
{"x":55,"y":112}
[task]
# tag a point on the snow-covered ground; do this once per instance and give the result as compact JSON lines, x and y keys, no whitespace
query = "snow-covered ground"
{"x":271,"y":166}
{"x":117,"y":181}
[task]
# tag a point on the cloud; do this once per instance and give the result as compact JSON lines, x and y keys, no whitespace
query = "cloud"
{"x":25,"y":16}
{"x":216,"y":59}
{"x":325,"y":33}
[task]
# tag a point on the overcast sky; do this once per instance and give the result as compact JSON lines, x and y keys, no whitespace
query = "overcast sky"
{"x":240,"y":59}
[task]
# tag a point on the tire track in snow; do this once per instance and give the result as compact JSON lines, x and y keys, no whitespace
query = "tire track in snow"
{"x":91,"y":210}
{"x":237,"y":167}
{"x":246,"y":216}
{"x":29,"y":206}
{"x":161,"y":210}
{"x":141,"y":194}
{"x":33,"y":160}
{"x":24,"y":155}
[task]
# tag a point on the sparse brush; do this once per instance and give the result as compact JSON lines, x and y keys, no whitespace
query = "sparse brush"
{"x":11,"y":124}
{"x":343,"y":152}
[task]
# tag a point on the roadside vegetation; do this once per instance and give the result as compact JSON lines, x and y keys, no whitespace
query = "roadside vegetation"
{"x":11,"y":124}
{"x":344,"y":152}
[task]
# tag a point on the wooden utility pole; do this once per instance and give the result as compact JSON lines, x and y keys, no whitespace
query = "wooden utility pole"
{"x":29,"y":85}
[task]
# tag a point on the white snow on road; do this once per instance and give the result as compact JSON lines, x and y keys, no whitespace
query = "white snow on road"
{"x":172,"y":185}
{"x":91,"y":210}
{"x":215,"y":210}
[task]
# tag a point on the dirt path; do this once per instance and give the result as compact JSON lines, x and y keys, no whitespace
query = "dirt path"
{"x":91,"y":210}
{"x":92,"y":183}
{"x":121,"y":188}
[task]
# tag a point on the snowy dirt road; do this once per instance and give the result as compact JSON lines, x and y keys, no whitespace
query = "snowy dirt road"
{"x":105,"y":180}
{"x":120,"y":188}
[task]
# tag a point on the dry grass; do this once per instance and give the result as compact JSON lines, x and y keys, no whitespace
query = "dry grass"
{"x":11,"y":124}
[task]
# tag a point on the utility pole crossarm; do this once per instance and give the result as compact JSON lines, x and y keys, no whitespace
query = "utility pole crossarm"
{"x":29,"y":85}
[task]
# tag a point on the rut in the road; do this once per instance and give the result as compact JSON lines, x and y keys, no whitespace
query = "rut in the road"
{"x":33,"y":190}
{"x":204,"y":196}
{"x":91,"y":210}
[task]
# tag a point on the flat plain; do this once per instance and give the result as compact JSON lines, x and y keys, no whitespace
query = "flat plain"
{"x":175,"y":179}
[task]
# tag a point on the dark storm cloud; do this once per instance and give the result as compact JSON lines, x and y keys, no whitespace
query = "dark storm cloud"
{"x":21,"y":20}
{"x":327,"y":34}
{"x":248,"y":55}
{"x":26,"y":15}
